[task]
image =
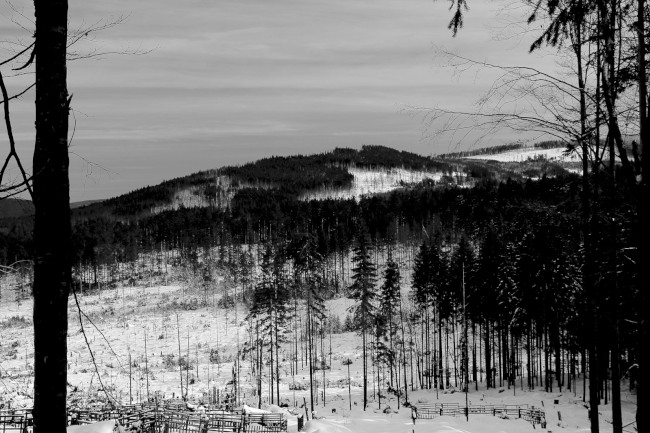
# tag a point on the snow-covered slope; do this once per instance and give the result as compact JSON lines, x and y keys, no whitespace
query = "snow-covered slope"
{"x":368,"y":182}
{"x":519,"y":155}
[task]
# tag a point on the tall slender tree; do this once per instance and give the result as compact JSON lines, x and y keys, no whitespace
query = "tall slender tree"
{"x":362,"y":290}
{"x":51,"y":196}
{"x":389,"y":310}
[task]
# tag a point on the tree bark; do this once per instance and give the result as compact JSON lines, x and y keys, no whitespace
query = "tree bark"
{"x":52,"y":263}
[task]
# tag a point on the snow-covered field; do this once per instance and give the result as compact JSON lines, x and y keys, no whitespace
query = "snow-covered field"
{"x":126,"y":315}
{"x":366,"y":181}
{"x":519,"y":155}
{"x":376,"y":182}
{"x":555,"y":155}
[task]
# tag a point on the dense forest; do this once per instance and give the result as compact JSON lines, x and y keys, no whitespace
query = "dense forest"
{"x":255,"y":214}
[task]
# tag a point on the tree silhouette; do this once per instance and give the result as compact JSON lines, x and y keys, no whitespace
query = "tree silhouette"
{"x":389,"y":310}
{"x":362,"y":290}
{"x":52,"y":265}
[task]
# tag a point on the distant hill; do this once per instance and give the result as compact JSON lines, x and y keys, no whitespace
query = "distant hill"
{"x":296,"y":176}
{"x":338,"y":174}
{"x":342,"y":173}
{"x":78,"y":204}
{"x":503,"y":148}
{"x":15,"y":208}
{"x":278,"y":196}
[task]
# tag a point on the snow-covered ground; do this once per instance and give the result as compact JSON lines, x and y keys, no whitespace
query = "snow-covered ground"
{"x":519,"y":155}
{"x":375,"y":182}
{"x":126,"y":315}
{"x":366,"y":181}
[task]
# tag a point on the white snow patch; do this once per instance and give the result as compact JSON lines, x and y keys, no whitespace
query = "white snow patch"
{"x":557,"y":154}
{"x":368,"y":182}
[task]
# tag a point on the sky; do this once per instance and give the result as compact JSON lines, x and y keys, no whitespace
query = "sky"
{"x":199,"y":84}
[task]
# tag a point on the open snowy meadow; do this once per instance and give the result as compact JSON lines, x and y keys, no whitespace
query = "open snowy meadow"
{"x":119,"y":323}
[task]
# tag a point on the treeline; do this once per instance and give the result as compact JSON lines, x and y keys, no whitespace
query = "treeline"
{"x":550,"y":144}
{"x":493,"y":150}
{"x":257,"y":214}
{"x":143,"y":200}
{"x":299,"y":173}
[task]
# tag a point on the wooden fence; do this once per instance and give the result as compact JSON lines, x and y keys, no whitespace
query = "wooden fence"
{"x":171,"y":419}
{"x":529,"y":413}
{"x":15,"y":420}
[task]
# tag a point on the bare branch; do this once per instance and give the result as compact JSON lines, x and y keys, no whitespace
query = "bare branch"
{"x":19,"y":54}
{"x":86,"y":32}
{"x":100,"y":333}
{"x":12,"y":144}
{"x":18,"y":95}
{"x":92,"y":354}
{"x":32,"y":56}
{"x":10,"y":269}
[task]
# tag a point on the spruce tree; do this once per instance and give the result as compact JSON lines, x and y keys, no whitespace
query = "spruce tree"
{"x":388,"y":309}
{"x":362,"y":290}
{"x":308,"y":269}
{"x":270,"y":310}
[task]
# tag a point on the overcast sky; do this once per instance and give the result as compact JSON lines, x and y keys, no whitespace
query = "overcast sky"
{"x":229,"y":81}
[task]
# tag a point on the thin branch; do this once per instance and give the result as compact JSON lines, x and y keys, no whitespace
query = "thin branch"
{"x":92,"y":354}
{"x":103,"y":336}
{"x":87,"y":32}
{"x":9,"y":269}
{"x":29,"y":61}
{"x":18,"y":55}
{"x":22,"y":14}
{"x":12,"y":144}
{"x":510,"y":68}
{"x":18,"y":95}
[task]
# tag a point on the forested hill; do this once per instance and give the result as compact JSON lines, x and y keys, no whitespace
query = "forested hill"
{"x":13,"y":208}
{"x":307,"y":176}
{"x":236,"y":204}
{"x":292,"y":175}
{"x":309,"y":172}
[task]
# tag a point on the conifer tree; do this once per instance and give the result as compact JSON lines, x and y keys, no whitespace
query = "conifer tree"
{"x":308,"y":268}
{"x":270,"y":312}
{"x":429,"y":282}
{"x":362,"y":290}
{"x":389,"y":309}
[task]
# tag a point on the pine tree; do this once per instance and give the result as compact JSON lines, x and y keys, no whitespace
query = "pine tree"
{"x":270,"y":312}
{"x":389,"y":310}
{"x":485,"y":295}
{"x":308,"y":268}
{"x":429,"y":282}
{"x":362,"y":290}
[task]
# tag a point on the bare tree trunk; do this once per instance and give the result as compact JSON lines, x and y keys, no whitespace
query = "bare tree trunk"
{"x":365,"y":369}
{"x":586,"y":223}
{"x":401,"y":319}
{"x":311,"y":367}
{"x":51,"y":186}
{"x":643,"y":401}
{"x":488,"y":359}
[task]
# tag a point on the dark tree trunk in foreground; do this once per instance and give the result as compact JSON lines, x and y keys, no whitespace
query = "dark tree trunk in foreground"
{"x":52,"y":270}
{"x":643,"y":400}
